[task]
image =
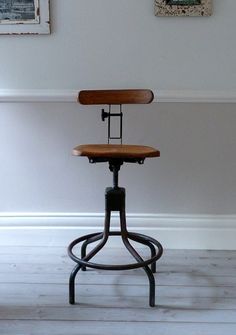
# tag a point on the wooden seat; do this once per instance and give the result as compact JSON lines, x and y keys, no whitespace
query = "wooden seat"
{"x":110,"y":151}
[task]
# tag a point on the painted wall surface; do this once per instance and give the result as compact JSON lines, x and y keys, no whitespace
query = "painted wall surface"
{"x":196,"y":173}
{"x":107,"y":44}
{"x":110,"y":43}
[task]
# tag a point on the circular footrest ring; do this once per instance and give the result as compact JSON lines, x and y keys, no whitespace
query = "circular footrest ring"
{"x":131,"y":266}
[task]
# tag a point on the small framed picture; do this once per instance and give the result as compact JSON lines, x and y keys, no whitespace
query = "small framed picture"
{"x":183,"y":7}
{"x":24,"y":17}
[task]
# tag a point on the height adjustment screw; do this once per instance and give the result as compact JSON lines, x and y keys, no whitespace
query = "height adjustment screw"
{"x":104,"y":115}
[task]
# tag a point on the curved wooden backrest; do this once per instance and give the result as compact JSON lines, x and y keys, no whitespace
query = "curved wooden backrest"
{"x":115,"y":97}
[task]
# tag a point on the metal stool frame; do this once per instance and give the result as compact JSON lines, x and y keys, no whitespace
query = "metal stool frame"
{"x":115,"y":201}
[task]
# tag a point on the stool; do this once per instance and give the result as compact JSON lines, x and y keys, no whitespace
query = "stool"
{"x":115,"y":155}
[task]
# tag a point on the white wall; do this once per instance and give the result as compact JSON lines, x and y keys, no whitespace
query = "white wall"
{"x":195,"y":174}
{"x":109,"y":44}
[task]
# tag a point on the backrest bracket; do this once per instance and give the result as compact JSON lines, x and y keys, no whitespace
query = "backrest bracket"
{"x":108,"y":115}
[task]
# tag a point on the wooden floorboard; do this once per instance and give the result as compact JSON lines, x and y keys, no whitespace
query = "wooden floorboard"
{"x":195,"y":294}
{"x":30,"y":327}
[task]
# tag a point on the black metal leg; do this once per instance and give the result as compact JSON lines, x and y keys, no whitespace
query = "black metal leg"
{"x":86,"y":243}
{"x":134,"y":253}
{"x":141,"y":240}
{"x":72,"y":284}
{"x":91,"y":254}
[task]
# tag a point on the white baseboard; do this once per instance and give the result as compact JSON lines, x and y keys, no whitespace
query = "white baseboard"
{"x":56,"y":95}
{"x":173,"y":231}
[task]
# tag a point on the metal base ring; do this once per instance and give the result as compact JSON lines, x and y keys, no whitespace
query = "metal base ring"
{"x":139,"y":238}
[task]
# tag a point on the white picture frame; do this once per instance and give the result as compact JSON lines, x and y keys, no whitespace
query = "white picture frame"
{"x":24,"y":17}
{"x":183,"y":7}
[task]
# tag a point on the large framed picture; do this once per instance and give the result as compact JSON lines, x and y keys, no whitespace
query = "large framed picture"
{"x":183,"y":7}
{"x":24,"y":17}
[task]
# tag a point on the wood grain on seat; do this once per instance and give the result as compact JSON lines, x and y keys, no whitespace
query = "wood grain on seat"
{"x":115,"y":151}
{"x":115,"y":97}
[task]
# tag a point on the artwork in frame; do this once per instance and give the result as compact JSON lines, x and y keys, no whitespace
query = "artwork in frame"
{"x":24,"y":17}
{"x":183,"y":7}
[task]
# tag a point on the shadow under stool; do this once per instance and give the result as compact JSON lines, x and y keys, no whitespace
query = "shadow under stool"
{"x":115,"y":155}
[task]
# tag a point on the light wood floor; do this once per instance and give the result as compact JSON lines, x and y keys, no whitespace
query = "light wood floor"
{"x":195,"y":295}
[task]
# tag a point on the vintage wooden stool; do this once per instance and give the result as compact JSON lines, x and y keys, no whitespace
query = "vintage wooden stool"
{"x":115,"y":155}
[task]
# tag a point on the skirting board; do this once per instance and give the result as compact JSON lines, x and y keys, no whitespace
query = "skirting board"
{"x":183,"y":96}
{"x":173,"y":231}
